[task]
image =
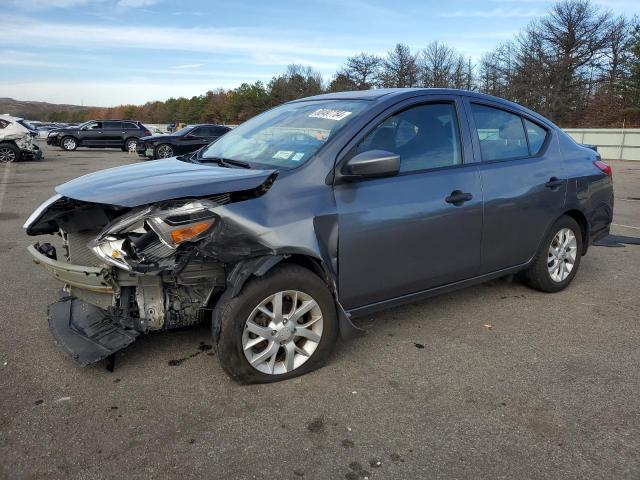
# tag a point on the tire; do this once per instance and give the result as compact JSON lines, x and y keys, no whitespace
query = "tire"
{"x":68,"y":143}
{"x":164,"y":150}
{"x":278,"y":343}
{"x":548,"y":271}
{"x":130,"y":145}
{"x":9,"y":153}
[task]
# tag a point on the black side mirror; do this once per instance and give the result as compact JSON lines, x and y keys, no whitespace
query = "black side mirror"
{"x":372,"y":164}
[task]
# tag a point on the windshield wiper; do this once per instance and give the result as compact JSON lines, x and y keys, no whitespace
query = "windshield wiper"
{"x":225,"y":162}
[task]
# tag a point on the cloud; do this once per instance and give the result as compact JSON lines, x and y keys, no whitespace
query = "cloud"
{"x":136,"y":3}
{"x":107,"y":94}
{"x":250,"y":42}
{"x":188,"y":66}
{"x":496,"y":12}
{"x":43,"y":4}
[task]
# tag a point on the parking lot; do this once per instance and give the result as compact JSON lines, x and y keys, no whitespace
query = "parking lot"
{"x":496,"y":381}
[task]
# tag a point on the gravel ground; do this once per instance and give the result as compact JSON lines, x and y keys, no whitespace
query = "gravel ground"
{"x":496,"y":381}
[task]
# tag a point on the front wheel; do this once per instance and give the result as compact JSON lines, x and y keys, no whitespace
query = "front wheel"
{"x":69,"y":144}
{"x":281,"y":325}
{"x":558,"y":259}
{"x":164,"y":151}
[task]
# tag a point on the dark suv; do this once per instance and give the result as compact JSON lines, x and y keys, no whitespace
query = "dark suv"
{"x":315,"y":212}
{"x":186,"y":140}
{"x":123,"y":134}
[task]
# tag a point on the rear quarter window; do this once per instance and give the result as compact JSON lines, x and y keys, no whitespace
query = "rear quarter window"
{"x":500,"y":133}
{"x":536,"y":135}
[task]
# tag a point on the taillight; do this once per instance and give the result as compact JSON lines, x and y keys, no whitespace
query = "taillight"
{"x":147,"y":133}
{"x":604,"y":167}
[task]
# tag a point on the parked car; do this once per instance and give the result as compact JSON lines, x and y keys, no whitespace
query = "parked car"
{"x":123,"y":134}
{"x":16,"y":140}
{"x":315,"y":212}
{"x":186,"y":140}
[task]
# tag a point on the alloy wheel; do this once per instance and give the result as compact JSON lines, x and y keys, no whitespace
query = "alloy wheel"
{"x":7,"y":155}
{"x":562,"y":255}
{"x":131,"y":146}
{"x":282,"y":332}
{"x":69,"y":143}
{"x":165,"y":151}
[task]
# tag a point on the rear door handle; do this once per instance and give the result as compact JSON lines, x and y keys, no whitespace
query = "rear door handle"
{"x":458,"y":197}
{"x":554,"y":182}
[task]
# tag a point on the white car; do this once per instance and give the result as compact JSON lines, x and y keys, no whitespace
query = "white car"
{"x":16,"y":140}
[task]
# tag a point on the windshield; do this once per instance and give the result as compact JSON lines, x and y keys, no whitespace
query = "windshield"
{"x":184,"y":130}
{"x":286,"y":136}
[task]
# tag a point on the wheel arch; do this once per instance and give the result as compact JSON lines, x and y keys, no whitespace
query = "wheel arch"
{"x":244,"y":270}
{"x":582,"y":221}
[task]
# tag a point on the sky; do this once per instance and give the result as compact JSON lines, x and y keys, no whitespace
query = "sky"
{"x":111,"y":52}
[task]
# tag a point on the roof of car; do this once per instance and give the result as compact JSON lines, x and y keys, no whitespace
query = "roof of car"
{"x":389,"y":93}
{"x":378,"y":93}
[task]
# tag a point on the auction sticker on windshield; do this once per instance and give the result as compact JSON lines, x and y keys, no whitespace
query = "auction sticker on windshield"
{"x":330,"y":114}
{"x":283,"y":154}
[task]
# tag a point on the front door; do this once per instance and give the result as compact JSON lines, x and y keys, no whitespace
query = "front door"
{"x":417,"y":230}
{"x":91,"y":134}
{"x":523,"y":181}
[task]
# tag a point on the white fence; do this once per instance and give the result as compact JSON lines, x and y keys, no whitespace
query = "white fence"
{"x":613,"y":143}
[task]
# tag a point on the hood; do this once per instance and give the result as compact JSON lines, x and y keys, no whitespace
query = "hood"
{"x":149,"y":182}
{"x":153,"y":138}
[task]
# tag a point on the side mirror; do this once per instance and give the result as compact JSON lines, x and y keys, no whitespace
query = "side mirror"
{"x":372,"y":164}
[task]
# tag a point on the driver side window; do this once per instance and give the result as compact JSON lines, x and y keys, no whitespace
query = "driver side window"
{"x":425,"y":137}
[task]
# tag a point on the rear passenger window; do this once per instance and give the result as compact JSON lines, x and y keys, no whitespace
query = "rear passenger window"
{"x":425,"y":137}
{"x":536,"y":135}
{"x":500,"y":133}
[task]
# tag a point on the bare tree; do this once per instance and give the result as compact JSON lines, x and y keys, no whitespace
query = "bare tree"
{"x":399,"y":69}
{"x":361,"y":70}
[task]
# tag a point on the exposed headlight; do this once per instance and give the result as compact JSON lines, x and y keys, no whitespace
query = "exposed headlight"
{"x":53,"y":134}
{"x":151,"y":236}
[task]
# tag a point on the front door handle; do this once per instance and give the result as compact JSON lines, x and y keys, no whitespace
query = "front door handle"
{"x":458,"y":197}
{"x":554,"y":182}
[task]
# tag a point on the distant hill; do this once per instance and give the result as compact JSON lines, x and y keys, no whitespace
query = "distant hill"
{"x":38,"y":110}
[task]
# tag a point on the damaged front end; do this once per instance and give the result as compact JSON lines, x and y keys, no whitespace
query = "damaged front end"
{"x":125,"y":270}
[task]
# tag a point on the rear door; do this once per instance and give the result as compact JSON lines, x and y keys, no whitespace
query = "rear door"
{"x":405,"y":234}
{"x":523,"y":181}
{"x":112,"y":134}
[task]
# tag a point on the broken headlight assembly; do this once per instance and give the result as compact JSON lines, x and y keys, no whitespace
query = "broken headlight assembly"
{"x":149,"y":238}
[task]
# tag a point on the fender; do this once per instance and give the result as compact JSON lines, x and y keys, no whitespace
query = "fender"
{"x":258,"y":266}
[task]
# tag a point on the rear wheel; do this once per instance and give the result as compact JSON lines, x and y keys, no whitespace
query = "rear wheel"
{"x":68,"y":143}
{"x":130,"y":145}
{"x":164,"y":150}
{"x":9,"y":153}
{"x":558,"y":259}
{"x":280,"y":326}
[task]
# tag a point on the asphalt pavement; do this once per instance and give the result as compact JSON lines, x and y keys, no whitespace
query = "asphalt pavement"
{"x":496,"y":381}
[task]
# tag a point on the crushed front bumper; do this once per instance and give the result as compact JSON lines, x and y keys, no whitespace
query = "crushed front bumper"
{"x":92,"y":279}
{"x":87,"y":333}
{"x":53,"y":140}
{"x":81,"y":328}
{"x":33,"y":154}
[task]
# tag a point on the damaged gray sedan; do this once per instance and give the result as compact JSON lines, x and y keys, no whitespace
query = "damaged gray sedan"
{"x":314,"y":212}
